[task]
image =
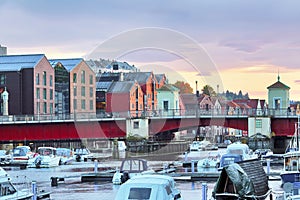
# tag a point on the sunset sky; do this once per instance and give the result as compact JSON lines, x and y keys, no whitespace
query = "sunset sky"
{"x":244,"y":43}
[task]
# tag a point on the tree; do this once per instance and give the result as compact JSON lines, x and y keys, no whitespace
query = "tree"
{"x":208,"y":90}
{"x":183,"y":87}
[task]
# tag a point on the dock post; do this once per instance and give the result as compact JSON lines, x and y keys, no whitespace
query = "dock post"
{"x":34,"y":190}
{"x":193,"y":166}
{"x":95,"y":166}
{"x":204,"y":191}
{"x":185,"y":156}
{"x":268,"y":166}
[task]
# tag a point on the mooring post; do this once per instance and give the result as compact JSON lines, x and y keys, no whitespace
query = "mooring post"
{"x":34,"y":190}
{"x":268,"y":166}
{"x":95,"y":166}
{"x":204,"y":191}
{"x":193,"y":166}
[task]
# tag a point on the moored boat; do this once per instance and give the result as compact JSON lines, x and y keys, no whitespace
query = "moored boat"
{"x":291,"y":164}
{"x":212,"y":161}
{"x":46,"y":157}
{"x":152,"y":187}
{"x":21,"y":155}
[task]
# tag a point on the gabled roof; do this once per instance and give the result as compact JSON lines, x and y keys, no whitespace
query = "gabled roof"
{"x":103,"y":86}
{"x":278,"y":85}
{"x":159,"y":77}
{"x":69,"y":64}
{"x":121,"y":87}
{"x":140,"y":77}
{"x":168,"y":87}
{"x":18,"y":62}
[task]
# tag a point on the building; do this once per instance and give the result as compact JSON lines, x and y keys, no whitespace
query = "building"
{"x":29,"y":80}
{"x":125,"y":99}
{"x":3,"y":50}
{"x":62,"y":90}
{"x":148,"y":82}
{"x":168,"y":100}
{"x":279,"y":96}
{"x":82,"y":85}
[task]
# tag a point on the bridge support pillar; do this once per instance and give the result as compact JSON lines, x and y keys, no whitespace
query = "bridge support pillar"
{"x":138,"y":127}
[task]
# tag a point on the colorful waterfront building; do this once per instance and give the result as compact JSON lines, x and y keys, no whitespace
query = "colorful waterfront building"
{"x":29,"y":80}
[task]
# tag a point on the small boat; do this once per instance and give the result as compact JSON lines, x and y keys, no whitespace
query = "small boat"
{"x":83,"y":154}
{"x":212,"y":161}
{"x":244,"y":180}
{"x":228,"y":159}
{"x":45,"y":157}
{"x":9,"y":191}
{"x":129,"y":168}
{"x":199,"y":145}
{"x":21,"y":155}
{"x":151,"y":187}
{"x":66,"y":155}
{"x":291,"y":164}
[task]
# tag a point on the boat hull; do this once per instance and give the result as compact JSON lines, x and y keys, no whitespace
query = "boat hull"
{"x":292,"y":176}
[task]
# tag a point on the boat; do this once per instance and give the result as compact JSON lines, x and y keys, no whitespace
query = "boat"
{"x":244,"y":180}
{"x":212,"y":161}
{"x":5,"y":157}
{"x":66,"y":155}
{"x":290,"y":172}
{"x":45,"y":157}
{"x":151,"y":187}
{"x":83,"y":154}
{"x":199,"y":145}
{"x":130,"y":167}
{"x":21,"y":155}
{"x":236,"y":152}
{"x":9,"y":191}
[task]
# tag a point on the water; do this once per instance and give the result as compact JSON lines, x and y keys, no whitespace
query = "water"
{"x":72,"y":188}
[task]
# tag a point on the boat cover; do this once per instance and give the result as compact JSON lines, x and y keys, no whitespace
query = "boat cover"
{"x":239,"y":178}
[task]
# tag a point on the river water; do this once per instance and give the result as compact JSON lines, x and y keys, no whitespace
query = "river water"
{"x":73,"y":189}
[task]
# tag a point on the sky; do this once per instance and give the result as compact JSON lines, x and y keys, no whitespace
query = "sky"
{"x":231,"y":45}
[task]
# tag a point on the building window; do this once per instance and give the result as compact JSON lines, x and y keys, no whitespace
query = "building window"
{"x":91,"y":92}
{"x":45,"y":107}
{"x":75,"y":91}
{"x":258,"y":123}
{"x":132,"y":106}
{"x":74,"y":78}
{"x":2,"y":79}
{"x":51,"y":80}
{"x":91,"y":104}
{"x":44,"y":93}
{"x":44,"y":78}
{"x":38,"y":107}
{"x":38,"y":95}
{"x":91,"y":79}
{"x":51,"y":94}
{"x":82,"y":76}
{"x":75,"y":104}
{"x":136,"y":125}
{"x":83,"y":91}
{"x":51,"y":108}
{"x":83,"y":104}
{"x":37,"y":78}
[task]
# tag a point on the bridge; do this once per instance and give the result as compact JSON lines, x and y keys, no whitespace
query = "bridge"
{"x":116,"y":125}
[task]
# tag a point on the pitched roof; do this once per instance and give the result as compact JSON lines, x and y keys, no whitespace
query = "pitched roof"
{"x":69,"y":64}
{"x":279,"y":85}
{"x":103,"y":86}
{"x":18,"y":62}
{"x":168,"y":87}
{"x":159,"y":77}
{"x":121,"y":87}
{"x":140,"y":77}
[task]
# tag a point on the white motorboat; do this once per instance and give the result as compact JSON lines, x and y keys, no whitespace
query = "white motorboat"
{"x":130,"y":168}
{"x":152,"y":187}
{"x":46,"y":157}
{"x":66,"y":155}
{"x":9,"y":191}
{"x":212,"y":161}
{"x":21,"y":155}
{"x":83,"y":154}
{"x":199,"y":145}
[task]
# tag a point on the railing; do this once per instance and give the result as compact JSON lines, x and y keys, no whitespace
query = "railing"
{"x":171,"y":113}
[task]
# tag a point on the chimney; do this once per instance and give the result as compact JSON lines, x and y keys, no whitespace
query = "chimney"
{"x":197,"y":91}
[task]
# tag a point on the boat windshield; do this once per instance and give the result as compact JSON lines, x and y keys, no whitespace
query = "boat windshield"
{"x":6,"y":188}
